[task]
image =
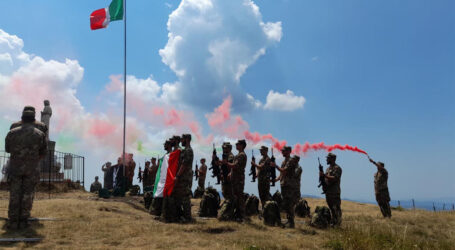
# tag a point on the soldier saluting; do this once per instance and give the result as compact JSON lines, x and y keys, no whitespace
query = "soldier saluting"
{"x":333,"y":191}
{"x":381,"y":189}
{"x":27,"y":146}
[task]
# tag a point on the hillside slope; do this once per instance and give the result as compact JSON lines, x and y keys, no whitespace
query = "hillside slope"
{"x":88,"y":222}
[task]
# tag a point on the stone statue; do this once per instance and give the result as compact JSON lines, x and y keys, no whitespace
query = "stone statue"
{"x":46,"y":116}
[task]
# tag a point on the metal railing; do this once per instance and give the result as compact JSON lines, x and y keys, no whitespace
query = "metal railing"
{"x":55,"y":167}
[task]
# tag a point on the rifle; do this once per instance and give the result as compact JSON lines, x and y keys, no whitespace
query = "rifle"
{"x":139,"y":176}
{"x":253,"y":168}
{"x":196,"y":172}
{"x":272,"y":170}
{"x":322,"y":182}
{"x":214,"y":166}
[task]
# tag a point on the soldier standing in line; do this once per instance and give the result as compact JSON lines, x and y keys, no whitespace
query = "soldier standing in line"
{"x":298,"y":176}
{"x":152,"y":173}
{"x":381,"y":188}
{"x":145,"y":176}
{"x":263,"y":169}
{"x":27,"y":145}
{"x":333,"y":191}
{"x":289,"y":189}
{"x":184,"y":180}
{"x":108,"y":179}
{"x":95,"y":186}
{"x":226,"y":210}
{"x":202,"y":171}
{"x":237,"y":176}
{"x":39,"y":125}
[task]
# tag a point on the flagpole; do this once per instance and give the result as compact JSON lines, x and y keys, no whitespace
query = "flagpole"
{"x":124,"y":86}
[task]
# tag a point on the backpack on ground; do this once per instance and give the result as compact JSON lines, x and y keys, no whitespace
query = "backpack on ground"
{"x":271,"y":214}
{"x":302,"y":209}
{"x":252,"y":205}
{"x":210,"y":203}
{"x":321,"y":217}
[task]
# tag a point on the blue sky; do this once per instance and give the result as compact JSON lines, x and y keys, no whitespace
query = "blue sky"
{"x":376,"y":74}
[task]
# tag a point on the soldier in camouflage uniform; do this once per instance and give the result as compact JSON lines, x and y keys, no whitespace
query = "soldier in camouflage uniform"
{"x":95,"y":186}
{"x":381,"y":189}
{"x":184,"y":180}
{"x":263,"y":168}
{"x":27,"y":145}
{"x":289,"y":188}
{"x":237,"y":176}
{"x":298,"y":175}
{"x":226,"y":210}
{"x":39,"y":125}
{"x":202,"y":173}
{"x":333,"y":191}
{"x":152,"y":173}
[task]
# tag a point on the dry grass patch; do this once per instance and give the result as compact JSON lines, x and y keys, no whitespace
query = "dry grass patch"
{"x":87,"y":222}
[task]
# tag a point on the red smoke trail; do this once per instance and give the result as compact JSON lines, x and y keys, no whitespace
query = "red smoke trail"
{"x":303,"y":149}
{"x":256,"y":138}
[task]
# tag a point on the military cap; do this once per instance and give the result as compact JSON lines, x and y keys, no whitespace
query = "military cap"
{"x":264,"y":148}
{"x":287,"y":148}
{"x":243,"y":142}
{"x":29,"y":108}
{"x":28,"y":113}
{"x":226,"y":145}
{"x":331,"y":155}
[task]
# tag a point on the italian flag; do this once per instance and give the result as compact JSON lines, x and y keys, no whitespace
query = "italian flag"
{"x":101,"y":18}
{"x":167,"y":169}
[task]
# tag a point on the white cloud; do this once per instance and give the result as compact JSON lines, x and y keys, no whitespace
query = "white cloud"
{"x":315,"y":58}
{"x":211,"y":45}
{"x":284,"y":102}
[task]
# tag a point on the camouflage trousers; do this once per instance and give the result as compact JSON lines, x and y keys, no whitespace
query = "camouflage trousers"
{"x":383,"y":202}
{"x":226,"y":190}
{"x":334,"y":203}
{"x":290,"y":198}
{"x":239,"y":198}
{"x":182,"y":196}
{"x":201,"y":183}
{"x":264,"y":190}
{"x":22,"y":192}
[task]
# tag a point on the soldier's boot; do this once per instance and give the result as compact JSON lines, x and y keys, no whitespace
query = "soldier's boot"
{"x":12,"y":225}
{"x":24,"y":224}
{"x":290,"y":223}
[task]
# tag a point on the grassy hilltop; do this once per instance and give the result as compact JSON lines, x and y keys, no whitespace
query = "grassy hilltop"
{"x":88,"y":222}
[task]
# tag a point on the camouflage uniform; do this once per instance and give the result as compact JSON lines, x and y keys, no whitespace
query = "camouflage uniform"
{"x":201,"y":180}
{"x":238,"y":183}
{"x":182,"y":189}
{"x":382,"y":192}
{"x":264,"y":180}
{"x":39,"y":125}
{"x":226,"y":186}
{"x":289,"y":189}
{"x":152,"y":175}
{"x":26,"y":144}
{"x":333,"y":192}
{"x":95,"y":187}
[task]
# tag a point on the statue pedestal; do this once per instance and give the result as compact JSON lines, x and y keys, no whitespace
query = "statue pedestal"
{"x":49,"y":167}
